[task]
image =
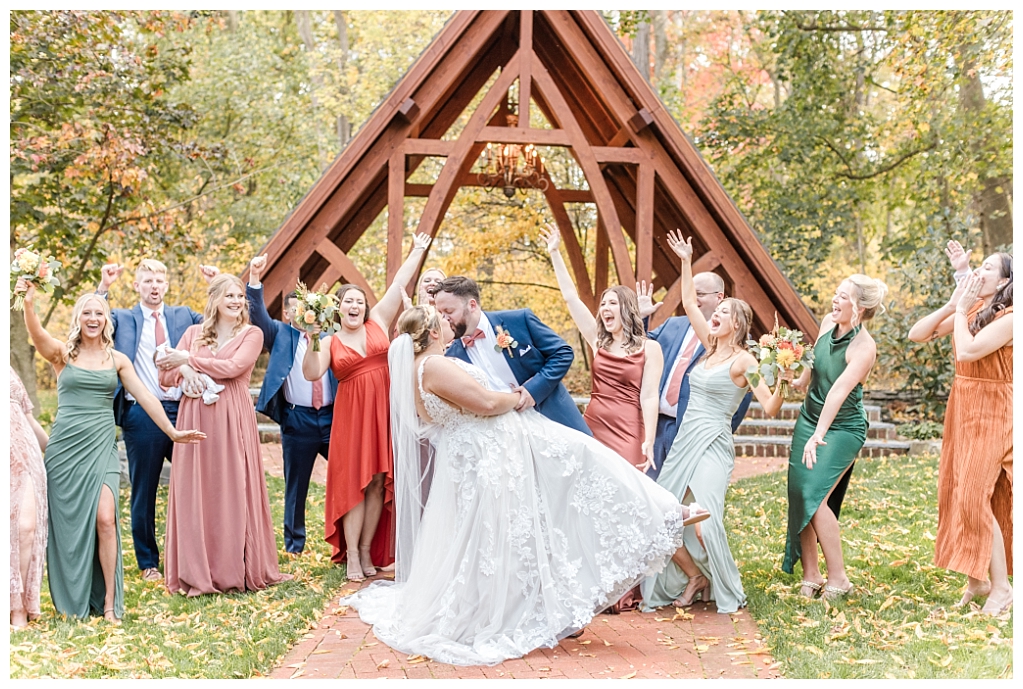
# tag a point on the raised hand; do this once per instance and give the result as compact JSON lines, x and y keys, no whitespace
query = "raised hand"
{"x":421,"y":241}
{"x":645,"y":297}
{"x":209,"y":272}
{"x":683,"y":248}
{"x":957,"y":256}
{"x":551,"y":237}
{"x":968,"y":290}
{"x":257,"y":264}
{"x":110,"y":272}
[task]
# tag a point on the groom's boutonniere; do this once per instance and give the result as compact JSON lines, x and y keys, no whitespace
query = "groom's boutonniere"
{"x":505,"y":341}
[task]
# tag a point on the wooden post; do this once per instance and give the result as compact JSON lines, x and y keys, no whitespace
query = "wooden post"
{"x":395,"y":211}
{"x":600,"y":263}
{"x":526,"y":64}
{"x":645,"y":221}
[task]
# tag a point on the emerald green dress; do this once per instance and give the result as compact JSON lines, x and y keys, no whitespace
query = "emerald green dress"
{"x":845,"y":438}
{"x":81,"y":457}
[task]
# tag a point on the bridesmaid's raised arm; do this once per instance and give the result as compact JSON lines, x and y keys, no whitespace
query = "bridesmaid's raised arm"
{"x":389,"y":305}
{"x":581,"y":316}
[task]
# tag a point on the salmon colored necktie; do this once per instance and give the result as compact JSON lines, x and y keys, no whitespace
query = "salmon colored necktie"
{"x":317,"y":386}
{"x":675,"y":384}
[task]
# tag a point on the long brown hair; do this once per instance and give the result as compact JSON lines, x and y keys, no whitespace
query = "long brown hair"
{"x":74,"y":338}
{"x":632,"y":322}
{"x":347,"y":287}
{"x":215,"y":292}
{"x":742,"y":316}
{"x":1001,"y":300}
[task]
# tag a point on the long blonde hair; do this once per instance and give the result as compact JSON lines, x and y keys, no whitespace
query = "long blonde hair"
{"x":869,"y":295}
{"x":74,"y":338}
{"x":216,"y":291}
{"x":742,"y":316}
{"x":417,"y":322}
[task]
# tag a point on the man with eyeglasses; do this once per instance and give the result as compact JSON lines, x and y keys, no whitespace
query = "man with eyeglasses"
{"x":682,"y":350}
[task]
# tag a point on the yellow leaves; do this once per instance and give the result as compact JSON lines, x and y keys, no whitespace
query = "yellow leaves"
{"x":415,"y":659}
{"x":587,"y":642}
{"x":889,"y":602}
{"x":383,"y":663}
{"x":940,"y":662}
{"x":629,"y":676}
{"x":702,"y":648}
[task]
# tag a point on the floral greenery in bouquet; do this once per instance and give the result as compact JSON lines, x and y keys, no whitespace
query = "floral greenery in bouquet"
{"x":38,"y":269}
{"x":315,"y":307}
{"x":777,"y":351}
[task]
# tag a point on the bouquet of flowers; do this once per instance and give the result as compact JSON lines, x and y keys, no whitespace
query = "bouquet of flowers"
{"x":38,"y":269}
{"x":777,"y":351}
{"x":315,"y":307}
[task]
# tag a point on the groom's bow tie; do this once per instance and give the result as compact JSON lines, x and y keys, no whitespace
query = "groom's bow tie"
{"x":470,"y":340}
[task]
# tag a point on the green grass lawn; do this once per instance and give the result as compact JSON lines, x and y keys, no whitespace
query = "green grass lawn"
{"x":902,"y":620}
{"x":164,"y":635}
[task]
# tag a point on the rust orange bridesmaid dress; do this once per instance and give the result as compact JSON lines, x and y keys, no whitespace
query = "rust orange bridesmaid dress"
{"x":975,"y":473}
{"x":614,"y":413}
{"x":360,"y":441}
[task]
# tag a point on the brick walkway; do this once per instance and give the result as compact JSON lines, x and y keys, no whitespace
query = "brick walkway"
{"x":696,"y":643}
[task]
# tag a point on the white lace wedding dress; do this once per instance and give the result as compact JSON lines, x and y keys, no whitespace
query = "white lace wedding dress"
{"x":530,"y":529}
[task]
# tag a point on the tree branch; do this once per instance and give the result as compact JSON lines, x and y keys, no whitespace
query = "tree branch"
{"x":891,"y":166}
{"x":521,"y":284}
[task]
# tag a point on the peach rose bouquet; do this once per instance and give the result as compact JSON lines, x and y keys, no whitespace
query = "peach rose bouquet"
{"x":315,"y":307}
{"x":778,"y":351}
{"x":38,"y":269}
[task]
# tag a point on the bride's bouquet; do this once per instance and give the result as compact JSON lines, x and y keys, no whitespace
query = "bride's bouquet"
{"x":315,"y":307}
{"x":777,"y":351}
{"x":38,"y":269}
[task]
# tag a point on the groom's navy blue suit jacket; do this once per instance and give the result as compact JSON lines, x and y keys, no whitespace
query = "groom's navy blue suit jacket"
{"x":539,"y":363}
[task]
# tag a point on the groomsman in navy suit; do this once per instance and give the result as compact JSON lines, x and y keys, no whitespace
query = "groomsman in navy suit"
{"x":682,"y":350}
{"x":304,"y":409}
{"x":533,"y":367}
{"x":138,"y":331}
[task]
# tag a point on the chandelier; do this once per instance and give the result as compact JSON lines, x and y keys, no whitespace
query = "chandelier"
{"x":511,"y":166}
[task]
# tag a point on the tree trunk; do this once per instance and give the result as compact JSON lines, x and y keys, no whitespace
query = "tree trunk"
{"x":23,"y":356}
{"x":660,"y":43}
{"x":992,"y":201}
{"x":305,"y":30}
{"x":641,"y":49}
{"x":343,"y":125}
{"x":232,"y":20}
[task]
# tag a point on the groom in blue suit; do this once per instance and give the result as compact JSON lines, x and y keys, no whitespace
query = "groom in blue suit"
{"x":303,"y":409}
{"x":682,"y":350}
{"x":137,"y":333}
{"x":533,"y":366}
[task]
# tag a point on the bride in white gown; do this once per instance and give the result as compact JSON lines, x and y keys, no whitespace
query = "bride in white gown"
{"x":529,"y":530}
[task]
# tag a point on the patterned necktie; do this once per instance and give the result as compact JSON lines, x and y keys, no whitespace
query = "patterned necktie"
{"x":317,"y":385}
{"x":675,"y":384}
{"x":470,"y":340}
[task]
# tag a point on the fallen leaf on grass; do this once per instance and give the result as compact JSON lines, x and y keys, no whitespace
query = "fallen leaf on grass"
{"x":944,"y":662}
{"x":889,"y":602}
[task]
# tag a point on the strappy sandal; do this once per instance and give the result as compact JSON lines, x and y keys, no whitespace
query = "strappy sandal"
{"x":815,"y":588}
{"x":116,"y":619}
{"x":696,"y":515}
{"x":353,"y":570}
{"x":835,"y":593}
{"x":368,"y":569}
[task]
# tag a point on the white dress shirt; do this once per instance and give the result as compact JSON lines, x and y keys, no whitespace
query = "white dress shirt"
{"x":298,"y":390}
{"x":144,"y":366}
{"x":663,"y":406}
{"x":493,"y":363}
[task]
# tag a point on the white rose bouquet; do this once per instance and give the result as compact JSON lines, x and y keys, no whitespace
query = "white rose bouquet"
{"x":38,"y":269}
{"x":315,"y":307}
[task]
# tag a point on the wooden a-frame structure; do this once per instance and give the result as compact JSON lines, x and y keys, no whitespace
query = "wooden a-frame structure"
{"x":644,"y":176}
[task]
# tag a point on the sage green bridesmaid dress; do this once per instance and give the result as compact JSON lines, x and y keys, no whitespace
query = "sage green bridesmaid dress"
{"x":81,"y":457}
{"x":845,"y":438}
{"x":698,"y":469}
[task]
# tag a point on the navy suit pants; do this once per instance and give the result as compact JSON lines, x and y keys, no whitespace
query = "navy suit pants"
{"x":305,"y":434}
{"x":667,"y":429}
{"x":147,"y":446}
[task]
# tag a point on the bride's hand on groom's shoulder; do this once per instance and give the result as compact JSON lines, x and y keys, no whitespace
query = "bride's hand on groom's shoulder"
{"x":526,"y":400}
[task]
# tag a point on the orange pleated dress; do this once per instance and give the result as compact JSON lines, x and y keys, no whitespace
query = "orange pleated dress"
{"x":975,"y":474}
{"x":360,"y":441}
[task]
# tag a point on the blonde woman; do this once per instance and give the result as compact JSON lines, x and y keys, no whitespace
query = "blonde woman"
{"x":82,"y":469}
{"x":699,"y":464}
{"x":428,"y":281}
{"x":829,"y":433}
{"x":220,"y":534}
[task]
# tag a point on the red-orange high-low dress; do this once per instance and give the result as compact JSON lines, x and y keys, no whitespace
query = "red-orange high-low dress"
{"x":360,"y":441}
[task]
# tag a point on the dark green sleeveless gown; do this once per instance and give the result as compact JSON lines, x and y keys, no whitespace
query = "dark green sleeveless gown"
{"x":845,"y":438}
{"x":81,"y":457}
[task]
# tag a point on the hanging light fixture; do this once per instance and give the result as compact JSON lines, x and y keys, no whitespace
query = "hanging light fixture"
{"x":511,"y":166}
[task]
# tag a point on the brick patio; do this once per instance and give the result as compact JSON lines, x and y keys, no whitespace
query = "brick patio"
{"x":696,"y":643}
